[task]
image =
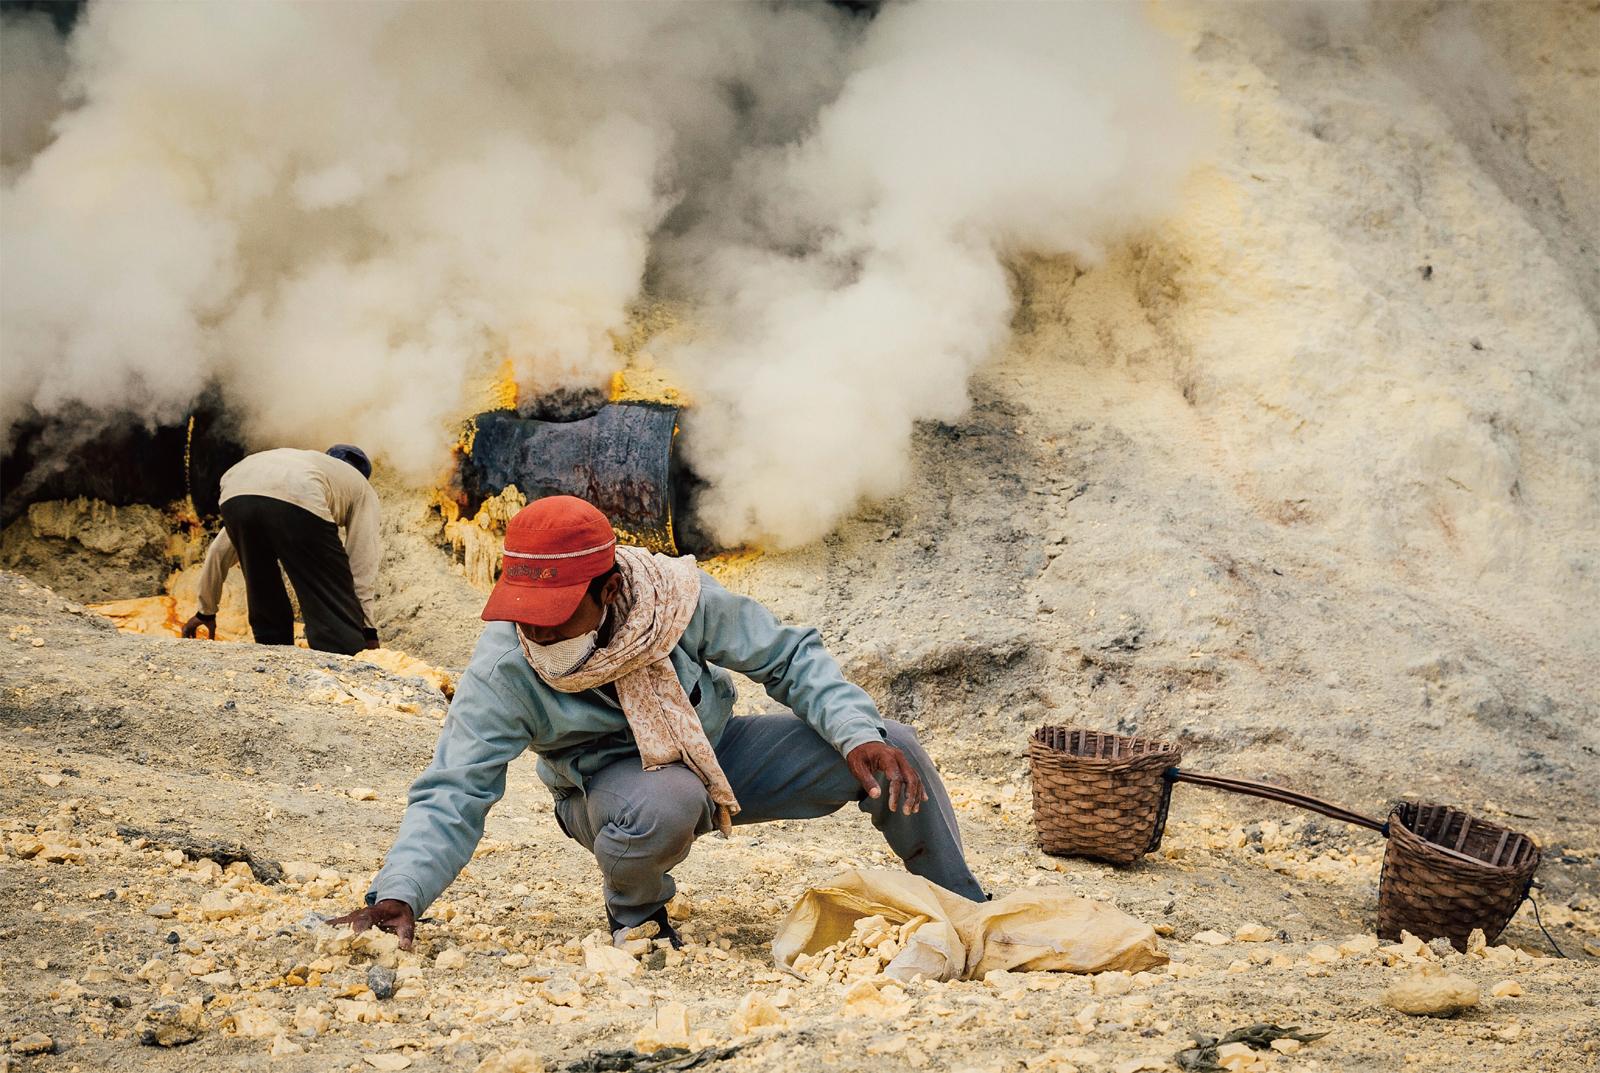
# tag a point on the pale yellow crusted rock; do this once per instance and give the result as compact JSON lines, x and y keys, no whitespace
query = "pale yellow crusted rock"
{"x":389,"y":1062}
{"x":668,"y":1027}
{"x":1436,"y":994}
{"x":608,"y":960}
{"x":756,"y":1011}
{"x":520,"y":1060}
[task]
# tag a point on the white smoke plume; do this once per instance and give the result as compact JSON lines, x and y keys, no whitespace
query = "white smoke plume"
{"x":341,"y":214}
{"x":859,"y":279}
{"x":33,"y":65}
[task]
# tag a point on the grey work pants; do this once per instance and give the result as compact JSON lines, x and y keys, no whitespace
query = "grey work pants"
{"x":639,"y":824}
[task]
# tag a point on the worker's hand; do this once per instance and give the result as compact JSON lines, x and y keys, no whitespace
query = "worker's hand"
{"x":867,"y":762}
{"x":192,"y":627}
{"x":388,"y":915}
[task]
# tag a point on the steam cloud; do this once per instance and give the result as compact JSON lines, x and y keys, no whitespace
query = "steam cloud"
{"x":343,"y":214}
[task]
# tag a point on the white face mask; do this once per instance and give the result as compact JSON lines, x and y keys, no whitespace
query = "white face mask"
{"x":563,"y":657}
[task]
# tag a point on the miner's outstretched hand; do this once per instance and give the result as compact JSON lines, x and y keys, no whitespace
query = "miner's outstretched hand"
{"x":388,"y":915}
{"x":192,"y":627}
{"x":876,"y":758}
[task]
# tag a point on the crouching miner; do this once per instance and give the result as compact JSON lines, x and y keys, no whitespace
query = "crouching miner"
{"x":608,"y":663}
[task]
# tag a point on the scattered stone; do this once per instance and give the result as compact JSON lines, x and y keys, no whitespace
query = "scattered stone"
{"x":608,"y":960}
{"x":26,"y":846}
{"x":755,"y":1011}
{"x":255,"y":1023}
{"x":1254,"y":933}
{"x":1322,"y":955}
{"x":1360,"y":944}
{"x":49,"y":778}
{"x":453,"y":958}
{"x":390,"y":1062}
{"x":216,"y":905}
{"x":1210,"y":938}
{"x":33,"y":1043}
{"x":221,"y":980}
{"x":1139,"y":1065}
{"x":223,"y":853}
{"x":561,"y":991}
{"x":381,"y":979}
{"x":520,"y":1060}
{"x":161,"y":911}
{"x":1437,"y":994}
{"x":283,"y":1047}
{"x":1287,"y":1046}
{"x":171,"y":1024}
{"x":668,"y":1027}
{"x":866,"y":999}
{"x":1506,"y":989}
{"x":363,"y":793}
{"x":1107,"y":984}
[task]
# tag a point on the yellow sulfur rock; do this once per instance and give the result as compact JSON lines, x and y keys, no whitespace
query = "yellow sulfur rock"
{"x":756,"y":1011}
{"x":253,"y":1023}
{"x":1106,"y":984}
{"x":608,"y":960}
{"x":1254,"y":933}
{"x":356,"y":1011}
{"x":283,"y":1047}
{"x":1435,"y":994}
{"x":866,"y":999}
{"x":1360,"y":944}
{"x":1210,"y":938}
{"x":1140,"y":1065}
{"x":561,"y":991}
{"x":520,"y":1060}
{"x":1506,"y":989}
{"x":216,"y":905}
{"x":668,"y":1027}
{"x":1287,"y":1046}
{"x":1322,"y":955}
{"x":387,"y":1063}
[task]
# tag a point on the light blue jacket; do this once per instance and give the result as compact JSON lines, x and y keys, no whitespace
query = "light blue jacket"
{"x":502,"y":707}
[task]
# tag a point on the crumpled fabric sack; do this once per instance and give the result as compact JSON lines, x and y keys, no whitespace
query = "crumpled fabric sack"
{"x":1034,"y":929}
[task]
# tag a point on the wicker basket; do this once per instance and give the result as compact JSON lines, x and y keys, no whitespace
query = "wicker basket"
{"x":1101,"y":796}
{"x":1446,"y":873}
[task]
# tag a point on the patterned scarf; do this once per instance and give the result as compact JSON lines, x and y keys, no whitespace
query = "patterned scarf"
{"x":659,"y":595}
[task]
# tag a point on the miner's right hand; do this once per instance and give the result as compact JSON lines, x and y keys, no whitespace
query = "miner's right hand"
{"x":192,"y":627}
{"x":389,"y":915}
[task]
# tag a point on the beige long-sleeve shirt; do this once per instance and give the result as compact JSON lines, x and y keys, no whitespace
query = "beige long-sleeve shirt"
{"x":328,"y":487}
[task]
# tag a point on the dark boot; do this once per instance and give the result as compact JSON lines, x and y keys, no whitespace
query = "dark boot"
{"x":659,"y":918}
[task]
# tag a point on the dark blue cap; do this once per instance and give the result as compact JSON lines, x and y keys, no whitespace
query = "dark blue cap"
{"x":347,"y":452}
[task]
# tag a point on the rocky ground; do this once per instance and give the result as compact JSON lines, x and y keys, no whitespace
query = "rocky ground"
{"x":118,"y":746}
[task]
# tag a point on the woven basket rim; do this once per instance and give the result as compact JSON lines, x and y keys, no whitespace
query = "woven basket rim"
{"x":1400,"y":831}
{"x":1158,"y":747}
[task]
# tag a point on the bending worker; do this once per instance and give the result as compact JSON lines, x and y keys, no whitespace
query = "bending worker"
{"x":286,"y":507}
{"x":608,"y":663}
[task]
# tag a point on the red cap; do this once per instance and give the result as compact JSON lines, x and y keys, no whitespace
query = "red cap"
{"x":554,"y":547}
